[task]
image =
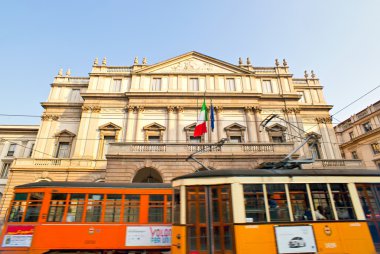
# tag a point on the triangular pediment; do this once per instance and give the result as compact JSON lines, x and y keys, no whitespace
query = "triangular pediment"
{"x":276,"y":127}
{"x":234,"y":127}
{"x":193,"y":62}
{"x":190,"y":127}
{"x":154,"y":127}
{"x":109,"y":126}
{"x":65,"y":133}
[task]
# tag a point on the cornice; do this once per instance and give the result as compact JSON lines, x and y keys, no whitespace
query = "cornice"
{"x":359,"y":138}
{"x":62,"y":104}
{"x":306,"y":87}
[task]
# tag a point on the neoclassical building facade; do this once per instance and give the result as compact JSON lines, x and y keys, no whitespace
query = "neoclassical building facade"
{"x":359,"y":136}
{"x":135,"y":123}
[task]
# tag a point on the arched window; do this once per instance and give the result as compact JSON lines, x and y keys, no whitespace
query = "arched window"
{"x":147,"y":175}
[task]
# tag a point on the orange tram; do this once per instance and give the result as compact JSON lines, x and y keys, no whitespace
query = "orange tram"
{"x":220,"y":211}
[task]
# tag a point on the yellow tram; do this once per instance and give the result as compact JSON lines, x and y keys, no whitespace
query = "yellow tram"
{"x":276,"y":211}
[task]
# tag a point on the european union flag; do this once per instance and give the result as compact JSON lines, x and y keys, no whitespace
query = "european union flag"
{"x":212,"y":117}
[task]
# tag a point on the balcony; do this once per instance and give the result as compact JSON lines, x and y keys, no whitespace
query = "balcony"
{"x":139,"y":149}
{"x":59,"y":163}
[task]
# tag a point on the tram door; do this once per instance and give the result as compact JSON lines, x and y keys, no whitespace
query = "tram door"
{"x":209,"y":219}
{"x":369,"y":195}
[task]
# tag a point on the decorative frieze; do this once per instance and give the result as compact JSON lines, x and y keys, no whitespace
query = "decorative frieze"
{"x":46,"y":117}
{"x":325,"y":119}
{"x":93,"y":108}
{"x":291,"y":110}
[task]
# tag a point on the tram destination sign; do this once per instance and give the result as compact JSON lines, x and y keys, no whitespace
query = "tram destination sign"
{"x":149,"y":236}
{"x":18,"y":236}
{"x":295,"y":239}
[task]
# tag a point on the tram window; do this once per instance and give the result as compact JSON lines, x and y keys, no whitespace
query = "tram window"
{"x":34,"y":206}
{"x":113,"y":208}
{"x":300,"y":202}
{"x":156,"y":208}
{"x":254,"y":203}
{"x":168,"y":208}
{"x":18,"y":207}
{"x":278,"y":208}
{"x":75,"y":211}
{"x":368,"y":200}
{"x":321,"y":201}
{"x":131,"y":208}
{"x":57,"y":207}
{"x":94,"y":207}
{"x":176,"y":206}
{"x":342,"y":201}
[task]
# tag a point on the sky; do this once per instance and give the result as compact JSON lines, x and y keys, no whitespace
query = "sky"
{"x":339,"y":40}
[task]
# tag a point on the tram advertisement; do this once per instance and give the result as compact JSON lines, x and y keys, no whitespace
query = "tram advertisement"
{"x":295,"y":239}
{"x":18,"y":236}
{"x":149,"y":236}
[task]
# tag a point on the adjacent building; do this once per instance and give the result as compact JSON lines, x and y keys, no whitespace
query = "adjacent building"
{"x":135,"y":123}
{"x":359,"y":136}
{"x":15,"y":141}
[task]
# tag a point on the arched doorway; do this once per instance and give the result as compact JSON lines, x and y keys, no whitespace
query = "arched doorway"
{"x":147,"y":175}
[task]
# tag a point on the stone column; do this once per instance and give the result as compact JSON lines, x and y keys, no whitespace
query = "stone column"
{"x":250,"y":123}
{"x":179,"y":120}
{"x":137,"y":133}
{"x":130,"y":123}
{"x":218,"y":111}
{"x":171,"y":130}
{"x":257,"y":120}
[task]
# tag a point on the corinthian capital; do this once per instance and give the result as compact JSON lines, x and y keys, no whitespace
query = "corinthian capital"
{"x":170,"y":109}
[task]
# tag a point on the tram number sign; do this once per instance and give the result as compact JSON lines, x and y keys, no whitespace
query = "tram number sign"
{"x":149,"y":236}
{"x":18,"y":236}
{"x":295,"y":239}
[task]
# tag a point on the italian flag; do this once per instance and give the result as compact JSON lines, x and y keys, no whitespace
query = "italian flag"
{"x":201,"y":128}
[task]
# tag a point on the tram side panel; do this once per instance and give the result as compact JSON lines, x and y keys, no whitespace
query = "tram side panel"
{"x":179,"y":240}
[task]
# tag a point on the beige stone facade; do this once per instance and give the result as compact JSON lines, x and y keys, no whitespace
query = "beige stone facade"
{"x":359,"y":136}
{"x":16,"y":141}
{"x":135,"y":123}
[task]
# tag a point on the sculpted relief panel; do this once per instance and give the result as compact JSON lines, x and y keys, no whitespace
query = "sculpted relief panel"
{"x":192,"y":66}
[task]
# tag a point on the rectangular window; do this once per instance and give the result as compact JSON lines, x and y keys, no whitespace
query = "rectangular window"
{"x":11,"y":150}
{"x":267,"y":86}
{"x":300,"y":202}
{"x":31,"y":151}
{"x":194,"y":84}
{"x":176,"y":205}
{"x":116,"y":85}
{"x":342,"y":201}
{"x":76,"y":207}
{"x":321,"y":201}
{"x":94,"y":207}
{"x":278,"y":207}
{"x":18,"y":206}
{"x":354,"y":155}
{"x":196,"y":217}
{"x":131,"y":208}
{"x":254,"y":203}
{"x":168,"y":206}
{"x":375,"y":148}
{"x":235,"y":139}
{"x":154,"y":139}
{"x":351,"y":134}
{"x":5,"y":170}
{"x":106,"y":143}
{"x":57,"y":207}
{"x":195,"y":139}
{"x":156,"y":84}
{"x":302,"y":99}
{"x":63,"y":150}
{"x":156,"y":208}
{"x":231,"y":84}
{"x":113,"y":208}
{"x":367,"y":127}
{"x":33,"y":207}
{"x":277,"y":139}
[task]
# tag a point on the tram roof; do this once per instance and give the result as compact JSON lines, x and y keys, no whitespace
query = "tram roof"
{"x":279,"y":173}
{"x":45,"y":184}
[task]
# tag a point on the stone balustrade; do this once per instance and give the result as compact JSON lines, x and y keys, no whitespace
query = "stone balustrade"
{"x":59,"y":163}
{"x":331,"y":163}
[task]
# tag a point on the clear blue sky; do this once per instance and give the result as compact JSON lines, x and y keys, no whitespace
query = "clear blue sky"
{"x":339,"y":40}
